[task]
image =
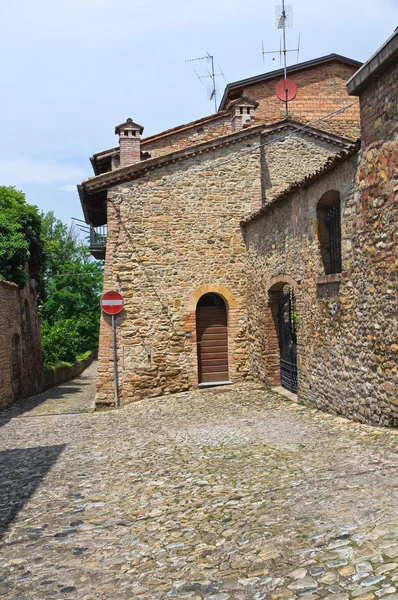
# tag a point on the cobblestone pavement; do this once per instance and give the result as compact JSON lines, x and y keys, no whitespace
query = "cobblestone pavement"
{"x":73,"y":396}
{"x":225,"y":494}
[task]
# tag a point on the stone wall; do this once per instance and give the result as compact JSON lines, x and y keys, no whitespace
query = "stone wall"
{"x":174,"y":235}
{"x":53,"y":376}
{"x":288,"y":159}
{"x":379,"y":108}
{"x":347,"y":361}
{"x":19,"y":340}
{"x":190,"y":135}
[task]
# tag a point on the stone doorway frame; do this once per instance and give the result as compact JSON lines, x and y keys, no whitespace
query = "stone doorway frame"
{"x":190,"y":325}
{"x":272,"y":363}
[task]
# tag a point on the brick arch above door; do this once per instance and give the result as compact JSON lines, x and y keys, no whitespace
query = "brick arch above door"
{"x":279,"y":281}
{"x":214,"y":288}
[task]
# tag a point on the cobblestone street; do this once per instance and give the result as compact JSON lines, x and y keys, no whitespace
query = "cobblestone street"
{"x":226,"y":494}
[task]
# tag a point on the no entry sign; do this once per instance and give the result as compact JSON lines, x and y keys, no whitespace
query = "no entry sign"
{"x":111,"y":303}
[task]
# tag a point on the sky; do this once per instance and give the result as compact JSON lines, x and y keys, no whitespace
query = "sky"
{"x":73,"y":69}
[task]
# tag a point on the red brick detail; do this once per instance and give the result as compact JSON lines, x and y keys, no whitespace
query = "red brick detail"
{"x":320,"y":91}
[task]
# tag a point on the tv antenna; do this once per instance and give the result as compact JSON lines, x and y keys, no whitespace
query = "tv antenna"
{"x":285,"y":90}
{"x":212,"y":89}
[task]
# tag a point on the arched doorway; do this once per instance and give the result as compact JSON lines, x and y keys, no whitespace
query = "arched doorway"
{"x":212,"y":339}
{"x":288,"y":339}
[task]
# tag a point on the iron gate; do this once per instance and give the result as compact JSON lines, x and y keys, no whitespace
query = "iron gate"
{"x":288,"y":341}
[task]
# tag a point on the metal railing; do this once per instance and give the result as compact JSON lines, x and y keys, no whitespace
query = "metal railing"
{"x":98,"y":237}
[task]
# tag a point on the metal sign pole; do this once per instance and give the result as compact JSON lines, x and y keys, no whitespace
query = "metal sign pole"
{"x":115,"y":361}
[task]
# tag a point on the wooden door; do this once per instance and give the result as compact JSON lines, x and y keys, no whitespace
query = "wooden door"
{"x":212,"y":338}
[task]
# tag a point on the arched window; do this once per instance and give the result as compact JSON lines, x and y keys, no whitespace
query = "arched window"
{"x":329,"y":231}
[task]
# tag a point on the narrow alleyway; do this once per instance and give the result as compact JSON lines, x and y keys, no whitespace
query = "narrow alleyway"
{"x":225,"y":494}
{"x":70,"y":397}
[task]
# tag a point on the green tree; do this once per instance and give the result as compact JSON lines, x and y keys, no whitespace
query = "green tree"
{"x":14,"y":252}
{"x":61,"y":243}
{"x":69,"y":280}
{"x":20,"y":238}
{"x":70,"y":315}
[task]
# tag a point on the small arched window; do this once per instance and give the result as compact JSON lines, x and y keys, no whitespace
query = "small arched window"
{"x":329,"y":231}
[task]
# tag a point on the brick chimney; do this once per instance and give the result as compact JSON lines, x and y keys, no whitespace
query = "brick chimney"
{"x":242,"y":110}
{"x":129,"y":141}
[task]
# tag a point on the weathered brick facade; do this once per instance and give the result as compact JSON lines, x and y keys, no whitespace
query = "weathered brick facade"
{"x":20,"y":349}
{"x":347,"y":327}
{"x":320,"y":91}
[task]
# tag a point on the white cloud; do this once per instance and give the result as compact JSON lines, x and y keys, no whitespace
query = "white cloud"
{"x":20,"y":171}
{"x":67,"y":188}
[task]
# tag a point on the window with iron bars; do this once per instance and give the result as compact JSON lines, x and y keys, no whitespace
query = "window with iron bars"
{"x":333,"y":226}
{"x":329,"y":231}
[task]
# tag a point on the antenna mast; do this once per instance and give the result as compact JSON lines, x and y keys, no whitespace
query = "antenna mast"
{"x":284,"y":18}
{"x":212,"y":75}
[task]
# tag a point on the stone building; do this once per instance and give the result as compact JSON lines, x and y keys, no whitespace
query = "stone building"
{"x":20,"y":347}
{"x":173,"y":203}
{"x":323,"y":264}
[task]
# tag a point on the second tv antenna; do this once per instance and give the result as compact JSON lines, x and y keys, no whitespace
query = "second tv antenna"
{"x":210,"y":74}
{"x":286,"y":89}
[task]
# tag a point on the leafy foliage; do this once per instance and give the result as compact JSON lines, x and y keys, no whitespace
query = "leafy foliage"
{"x":69,"y":280}
{"x":14,"y":252}
{"x":20,"y":238}
{"x":61,"y":244}
{"x":73,"y":283}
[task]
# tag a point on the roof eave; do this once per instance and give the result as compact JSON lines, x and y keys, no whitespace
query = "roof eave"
{"x":114,"y":178}
{"x":93,"y":161}
{"x":82,"y":196}
{"x":381,"y":59}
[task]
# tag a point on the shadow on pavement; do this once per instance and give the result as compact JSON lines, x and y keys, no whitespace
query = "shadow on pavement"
{"x":21,"y":471}
{"x":59,"y":392}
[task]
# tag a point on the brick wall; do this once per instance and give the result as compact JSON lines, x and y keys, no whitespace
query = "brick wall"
{"x":130,"y":152}
{"x":320,"y":91}
{"x":20,"y":325}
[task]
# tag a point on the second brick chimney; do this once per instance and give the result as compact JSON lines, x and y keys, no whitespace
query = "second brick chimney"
{"x":242,"y":110}
{"x":130,"y":142}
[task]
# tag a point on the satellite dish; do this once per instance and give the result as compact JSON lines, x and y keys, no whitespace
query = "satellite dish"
{"x":286,"y":90}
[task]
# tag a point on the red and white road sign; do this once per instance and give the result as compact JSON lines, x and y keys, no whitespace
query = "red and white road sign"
{"x":111,"y":303}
